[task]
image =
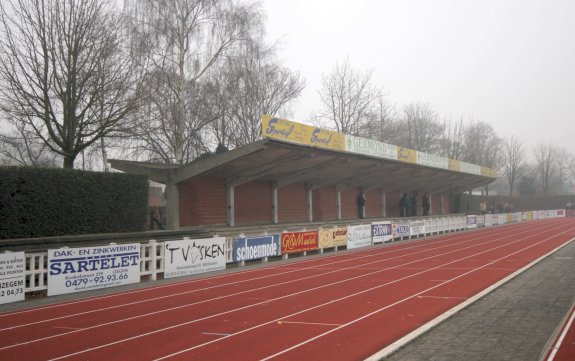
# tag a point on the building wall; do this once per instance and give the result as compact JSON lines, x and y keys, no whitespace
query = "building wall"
{"x":349,"y":209}
{"x":292,"y":203}
{"x":324,"y":204}
{"x":392,"y":204}
{"x":373,"y":204}
{"x":203,"y":200}
{"x":253,"y":202}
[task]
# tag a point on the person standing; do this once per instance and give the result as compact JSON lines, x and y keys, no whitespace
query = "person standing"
{"x":361,"y":200}
{"x":413,"y":204}
{"x":403,"y":205}
{"x":425,"y":204}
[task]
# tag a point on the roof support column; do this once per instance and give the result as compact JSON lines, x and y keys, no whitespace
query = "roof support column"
{"x":231,"y":208}
{"x":441,"y":204}
{"x":274,"y":203}
{"x":172,"y":206}
{"x":338,"y":204}
{"x":383,"y":205}
{"x":309,"y":206}
{"x":429,"y":195}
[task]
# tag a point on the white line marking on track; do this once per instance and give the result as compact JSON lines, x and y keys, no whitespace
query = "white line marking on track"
{"x":309,"y":323}
{"x":475,"y":244}
{"x":361,"y":292}
{"x":444,"y":297}
{"x":215,"y":334}
{"x":562,"y":337}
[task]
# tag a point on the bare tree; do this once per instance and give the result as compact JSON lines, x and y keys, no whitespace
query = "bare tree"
{"x":453,"y":139}
{"x":183,"y":40}
{"x":514,"y":164}
{"x":64,"y":73}
{"x":254,"y":84}
{"x":382,"y":122}
{"x":421,"y":129}
{"x":22,"y":147}
{"x":545,"y":165}
{"x":347,"y":96}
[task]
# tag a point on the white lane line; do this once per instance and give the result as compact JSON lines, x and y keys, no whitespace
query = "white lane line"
{"x":389,"y":250}
{"x":444,"y":297}
{"x":378,"y":356}
{"x":308,"y":323}
{"x":215,"y":334}
{"x":417,"y":243}
{"x":148,"y":314}
{"x":352,"y":295}
{"x":220,"y":297}
{"x":561,"y":338}
{"x":287,"y":296}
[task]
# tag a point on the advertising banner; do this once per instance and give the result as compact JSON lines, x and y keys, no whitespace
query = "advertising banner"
{"x":191,"y":256}
{"x":471,"y":222}
{"x":469,"y":168}
{"x":82,"y":269}
{"x":250,"y":248}
{"x":400,"y":230}
{"x":481,"y":221}
{"x":417,"y":228}
{"x":432,"y":160}
{"x":12,"y":283}
{"x":333,"y":237}
{"x":560,"y":213}
{"x":381,"y":232}
{"x":283,"y":129}
{"x":358,"y":236}
{"x":489,"y":220}
{"x":370,"y":147}
{"x":295,"y":242}
{"x":406,"y":155}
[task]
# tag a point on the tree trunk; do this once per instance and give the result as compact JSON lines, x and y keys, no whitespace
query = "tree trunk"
{"x":69,"y":162}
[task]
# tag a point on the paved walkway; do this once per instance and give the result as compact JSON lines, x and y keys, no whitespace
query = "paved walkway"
{"x":515,"y":322}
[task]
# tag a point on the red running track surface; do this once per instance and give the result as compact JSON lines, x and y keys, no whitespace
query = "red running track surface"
{"x":342,"y":306}
{"x":563,"y":349}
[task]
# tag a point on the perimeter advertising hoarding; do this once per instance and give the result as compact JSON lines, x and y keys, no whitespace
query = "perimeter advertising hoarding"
{"x":471,"y":222}
{"x":358,"y":236}
{"x":12,"y":268}
{"x":381,"y":232}
{"x":416,"y":228}
{"x":295,"y":242}
{"x":283,"y":129}
{"x":400,"y":230}
{"x":82,"y":269}
{"x":370,"y":147}
{"x":193,"y":256}
{"x":250,"y":248}
{"x":432,"y":160}
{"x":333,"y":237}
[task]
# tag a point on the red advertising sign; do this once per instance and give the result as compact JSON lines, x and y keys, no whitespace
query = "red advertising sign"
{"x":294,"y":242}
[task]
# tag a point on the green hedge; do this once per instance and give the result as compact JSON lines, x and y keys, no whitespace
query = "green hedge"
{"x":40,"y":202}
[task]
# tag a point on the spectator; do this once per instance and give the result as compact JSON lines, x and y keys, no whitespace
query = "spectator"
{"x":361,"y":200}
{"x":482,"y":207}
{"x":425,"y":204}
{"x":413,"y":204}
{"x":404,"y":205}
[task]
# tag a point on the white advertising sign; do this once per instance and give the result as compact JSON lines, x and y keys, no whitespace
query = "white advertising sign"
{"x":417,"y":228}
{"x":82,"y":269}
{"x":12,"y":283}
{"x":381,"y":232}
{"x":370,"y":147}
{"x":358,"y":236}
{"x":192,"y":256}
{"x":432,"y":160}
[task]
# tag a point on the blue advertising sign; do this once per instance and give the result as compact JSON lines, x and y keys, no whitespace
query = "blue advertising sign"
{"x":381,"y":232}
{"x":250,"y":248}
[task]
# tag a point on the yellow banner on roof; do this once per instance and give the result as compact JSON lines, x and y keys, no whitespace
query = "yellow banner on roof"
{"x":406,"y":155}
{"x":283,"y":129}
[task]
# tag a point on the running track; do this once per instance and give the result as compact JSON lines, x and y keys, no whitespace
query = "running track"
{"x":341,"y":306}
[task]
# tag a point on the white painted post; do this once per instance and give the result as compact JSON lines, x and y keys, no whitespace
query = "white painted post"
{"x":231,"y":210}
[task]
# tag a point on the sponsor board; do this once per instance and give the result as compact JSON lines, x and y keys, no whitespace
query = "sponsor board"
{"x":287,"y":130}
{"x":400,"y":230}
{"x":295,"y":242}
{"x":481,"y":221}
{"x":416,"y":228}
{"x":249,"y":248}
{"x":560,"y":213}
{"x":192,"y":256}
{"x":432,"y":160}
{"x":12,"y":282}
{"x":358,"y":236}
{"x":82,"y":269}
{"x":370,"y":147}
{"x":471,"y":222}
{"x":489,"y":220}
{"x":381,"y":232}
{"x":406,"y":155}
{"x":333,"y":237}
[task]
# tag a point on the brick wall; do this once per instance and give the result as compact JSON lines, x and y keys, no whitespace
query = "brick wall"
{"x":392,"y":204}
{"x":253,"y":202}
{"x":203,"y":200}
{"x":373,"y":205}
{"x":292,"y":203}
{"x":324,"y":204}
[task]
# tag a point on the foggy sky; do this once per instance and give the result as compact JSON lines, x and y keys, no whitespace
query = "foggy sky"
{"x":510,"y":63}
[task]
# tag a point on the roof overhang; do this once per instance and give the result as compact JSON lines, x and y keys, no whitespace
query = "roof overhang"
{"x":284,"y":163}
